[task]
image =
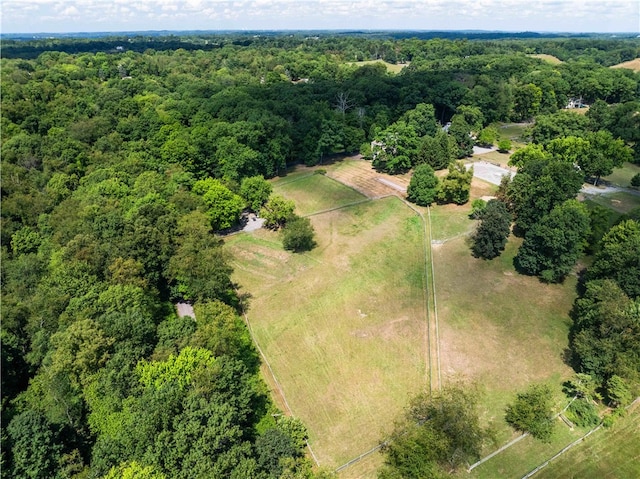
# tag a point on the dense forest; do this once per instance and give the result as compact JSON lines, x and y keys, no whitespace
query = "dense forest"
{"x":123,"y":161}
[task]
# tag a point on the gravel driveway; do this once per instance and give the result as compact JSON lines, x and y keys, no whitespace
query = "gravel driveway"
{"x":489,"y":172}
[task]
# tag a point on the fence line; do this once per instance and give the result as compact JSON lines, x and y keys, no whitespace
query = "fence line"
{"x":574,"y":443}
{"x":496,"y":452}
{"x":435,"y":301}
{"x":359,"y":458}
{"x":273,"y":375}
{"x":328,"y":210}
{"x":513,"y":441}
{"x":428,"y":257}
{"x":565,"y":449}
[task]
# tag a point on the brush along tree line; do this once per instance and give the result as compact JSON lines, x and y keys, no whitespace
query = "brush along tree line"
{"x":121,"y":165}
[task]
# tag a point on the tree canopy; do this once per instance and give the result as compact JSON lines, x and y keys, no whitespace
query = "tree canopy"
{"x":124,"y":158}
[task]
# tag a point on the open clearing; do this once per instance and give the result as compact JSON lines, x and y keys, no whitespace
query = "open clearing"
{"x":622,"y":176}
{"x":343,"y":326}
{"x":620,"y":201}
{"x":631,"y":65}
{"x":547,"y":58}
{"x":391,"y":67}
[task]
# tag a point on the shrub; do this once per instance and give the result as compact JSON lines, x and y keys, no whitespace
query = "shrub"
{"x":298,"y":235}
{"x":504,"y":145}
{"x":583,"y":413}
{"x":531,"y":412}
{"x":478,"y":207}
{"x":635,"y":181}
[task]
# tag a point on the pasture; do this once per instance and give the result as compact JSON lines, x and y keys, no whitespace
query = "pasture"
{"x":631,"y":65}
{"x":498,"y":329}
{"x":619,"y":201}
{"x":343,"y":326}
{"x":391,"y":67}
{"x":547,"y":58}
{"x":611,"y":452}
{"x":314,"y":193}
{"x":526,"y":455}
{"x":622,"y":176}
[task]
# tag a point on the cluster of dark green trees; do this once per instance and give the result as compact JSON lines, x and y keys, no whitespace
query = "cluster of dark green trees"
{"x":118,"y":167}
{"x":100,"y":376}
{"x":567,"y":149}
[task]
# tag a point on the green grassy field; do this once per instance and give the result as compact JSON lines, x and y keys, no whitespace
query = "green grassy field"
{"x":526,"y":455}
{"x":498,"y":329}
{"x":314,"y":193}
{"x":391,"y":67}
{"x":547,"y":58}
{"x":513,"y":131}
{"x":344,"y":325}
{"x":622,"y":176}
{"x":620,"y":201}
{"x":612,"y":452}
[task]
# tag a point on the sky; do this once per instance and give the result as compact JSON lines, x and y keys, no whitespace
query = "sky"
{"x":64,"y":16}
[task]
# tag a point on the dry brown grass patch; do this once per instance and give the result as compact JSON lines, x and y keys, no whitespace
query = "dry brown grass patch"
{"x":631,"y":65}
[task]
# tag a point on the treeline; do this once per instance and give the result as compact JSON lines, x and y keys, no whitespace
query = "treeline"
{"x":119,"y":168}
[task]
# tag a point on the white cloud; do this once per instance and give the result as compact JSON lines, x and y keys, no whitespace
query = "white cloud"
{"x":70,"y":11}
{"x":541,"y":15}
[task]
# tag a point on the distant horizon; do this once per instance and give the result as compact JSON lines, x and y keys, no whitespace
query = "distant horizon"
{"x":315,"y":30}
{"x":24,"y":17}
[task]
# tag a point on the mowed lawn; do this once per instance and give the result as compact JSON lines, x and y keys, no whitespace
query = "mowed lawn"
{"x":498,"y":329}
{"x":343,"y":326}
{"x":622,"y":176}
{"x":607,"y":453}
{"x":314,"y":193}
{"x":391,"y":67}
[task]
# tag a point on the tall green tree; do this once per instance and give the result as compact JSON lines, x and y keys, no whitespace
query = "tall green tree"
{"x":394,"y":149}
{"x":199,"y":270}
{"x":35,"y":445}
{"x":255,"y":190}
{"x":619,"y":257}
{"x":223,"y":206}
{"x":605,"y":336}
{"x":277,"y":211}
{"x":455,"y":187}
{"x":437,"y":151}
{"x":604,"y":154}
{"x":552,"y":246}
{"x":423,"y":187}
{"x":437,"y":434}
{"x":298,"y":235}
{"x":532,"y":412}
{"x":538,"y":187}
{"x":491,"y":235}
